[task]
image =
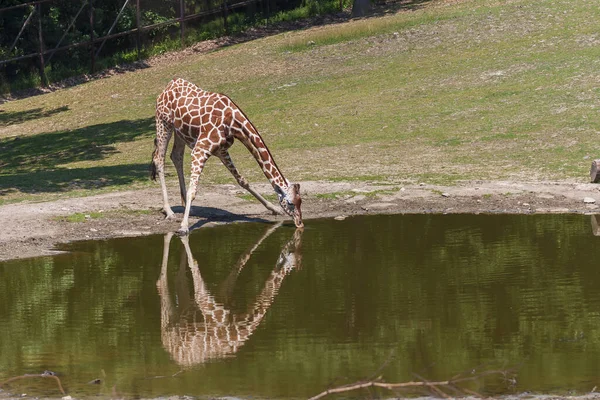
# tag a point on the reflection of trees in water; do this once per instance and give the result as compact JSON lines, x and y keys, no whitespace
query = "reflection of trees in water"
{"x":447,"y":291}
{"x":209,"y":329}
{"x":57,"y":306}
{"x":464,"y":288}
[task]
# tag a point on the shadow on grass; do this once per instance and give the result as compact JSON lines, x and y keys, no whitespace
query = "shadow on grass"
{"x":46,"y":151}
{"x":64,"y":180}
{"x":10,"y":118}
{"x":34,"y":164}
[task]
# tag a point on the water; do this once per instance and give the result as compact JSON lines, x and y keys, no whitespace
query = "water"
{"x":271,"y":312}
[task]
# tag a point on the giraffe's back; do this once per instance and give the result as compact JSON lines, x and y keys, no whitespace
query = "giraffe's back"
{"x":193,"y":111}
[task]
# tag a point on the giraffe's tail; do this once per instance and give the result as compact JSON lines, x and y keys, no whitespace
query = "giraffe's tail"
{"x":153,"y":170}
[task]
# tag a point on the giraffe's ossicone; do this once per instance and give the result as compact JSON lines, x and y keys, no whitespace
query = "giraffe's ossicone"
{"x":208,"y":123}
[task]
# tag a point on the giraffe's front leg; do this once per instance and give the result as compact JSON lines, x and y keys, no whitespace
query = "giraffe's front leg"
{"x":226,"y":160}
{"x":199,"y":157}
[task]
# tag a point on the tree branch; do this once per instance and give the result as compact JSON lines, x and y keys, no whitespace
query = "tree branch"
{"x":422,"y":383}
{"x":44,"y":375}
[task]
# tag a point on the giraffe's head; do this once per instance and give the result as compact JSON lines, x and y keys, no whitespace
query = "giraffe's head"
{"x":290,"y":201}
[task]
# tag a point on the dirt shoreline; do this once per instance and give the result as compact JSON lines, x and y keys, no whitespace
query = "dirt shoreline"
{"x":35,"y":229}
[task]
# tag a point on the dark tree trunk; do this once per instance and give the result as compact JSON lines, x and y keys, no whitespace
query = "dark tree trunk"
{"x":360,"y":8}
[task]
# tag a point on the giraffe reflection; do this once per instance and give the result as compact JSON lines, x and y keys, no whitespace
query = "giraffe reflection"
{"x":207,"y":329}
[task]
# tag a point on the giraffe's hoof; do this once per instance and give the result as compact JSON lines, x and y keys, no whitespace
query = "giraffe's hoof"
{"x":170,"y":215}
{"x":183,"y":232}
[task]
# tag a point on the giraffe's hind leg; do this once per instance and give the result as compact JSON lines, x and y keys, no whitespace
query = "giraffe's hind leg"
{"x":177,"y":158}
{"x":226,"y":160}
{"x":163,"y":135}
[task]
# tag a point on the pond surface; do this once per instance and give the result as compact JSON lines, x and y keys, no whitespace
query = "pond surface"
{"x":265,"y":311}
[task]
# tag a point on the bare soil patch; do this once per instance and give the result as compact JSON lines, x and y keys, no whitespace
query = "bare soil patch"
{"x":36,"y":229}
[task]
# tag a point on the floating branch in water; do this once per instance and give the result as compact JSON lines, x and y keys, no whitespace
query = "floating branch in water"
{"x":46,"y":374}
{"x":432,"y":385}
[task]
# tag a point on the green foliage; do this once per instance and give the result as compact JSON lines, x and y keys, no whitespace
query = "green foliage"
{"x":66,"y":63}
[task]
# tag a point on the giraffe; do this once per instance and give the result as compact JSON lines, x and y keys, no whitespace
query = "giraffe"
{"x":208,"y":123}
{"x":193,"y":339}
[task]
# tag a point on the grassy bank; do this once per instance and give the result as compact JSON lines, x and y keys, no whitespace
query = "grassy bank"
{"x":470,"y":89}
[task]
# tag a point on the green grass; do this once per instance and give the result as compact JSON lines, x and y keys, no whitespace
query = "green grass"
{"x":350,"y":193}
{"x":477,"y":89}
{"x":248,"y":197}
{"x":81,"y":217}
{"x":335,"y":195}
{"x":361,"y":29}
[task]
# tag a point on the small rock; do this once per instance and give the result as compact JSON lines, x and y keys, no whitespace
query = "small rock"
{"x":67,"y":398}
{"x":93,"y":230}
{"x":341,"y":217}
{"x":402,"y":189}
{"x":525,"y":204}
{"x":422,"y":184}
{"x":87,"y":216}
{"x":445,"y":194}
{"x":589,"y":200}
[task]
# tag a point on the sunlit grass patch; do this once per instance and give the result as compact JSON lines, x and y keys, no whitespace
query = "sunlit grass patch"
{"x":80,"y":217}
{"x":359,"y":29}
{"x":248,"y":197}
{"x":346,"y":194}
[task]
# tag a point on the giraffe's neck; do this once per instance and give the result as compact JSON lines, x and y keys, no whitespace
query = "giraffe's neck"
{"x":248,"y":134}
